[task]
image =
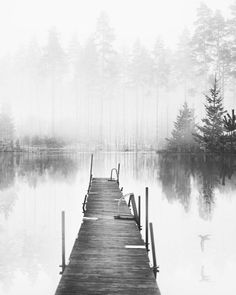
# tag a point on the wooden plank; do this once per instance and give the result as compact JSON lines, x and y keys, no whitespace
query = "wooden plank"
{"x":99,"y":262}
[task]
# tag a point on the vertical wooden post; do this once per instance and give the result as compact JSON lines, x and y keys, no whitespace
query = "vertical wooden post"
{"x":63,"y":265}
{"x":153,"y":250}
{"x":91,"y":166}
{"x":146,"y":222}
{"x":139,"y":212}
{"x":129,"y":203}
{"x":118,"y":174}
{"x":134,"y":208}
{"x":91,"y":172}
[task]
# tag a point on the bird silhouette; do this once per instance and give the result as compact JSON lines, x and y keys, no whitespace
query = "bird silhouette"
{"x":203,"y":239}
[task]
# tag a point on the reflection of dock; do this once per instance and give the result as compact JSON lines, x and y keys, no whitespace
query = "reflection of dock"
{"x":109,"y":255}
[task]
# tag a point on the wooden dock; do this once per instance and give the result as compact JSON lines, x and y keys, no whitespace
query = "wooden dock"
{"x":109,"y":254}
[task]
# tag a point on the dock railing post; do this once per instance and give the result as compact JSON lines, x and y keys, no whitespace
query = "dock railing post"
{"x":139,"y":212}
{"x":129,"y":202}
{"x":63,"y":265}
{"x":146,"y":222}
{"x":118,"y":174}
{"x":155,"y":267}
{"x":91,"y":165}
{"x":134,"y":207}
{"x":91,"y":172}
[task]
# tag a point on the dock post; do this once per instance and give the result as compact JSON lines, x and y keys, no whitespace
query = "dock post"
{"x":118,"y":174}
{"x":155,"y":268}
{"x":139,"y":212}
{"x":91,"y":172}
{"x":146,"y":222}
{"x":63,"y":265}
{"x":134,"y":209}
{"x":91,"y":165}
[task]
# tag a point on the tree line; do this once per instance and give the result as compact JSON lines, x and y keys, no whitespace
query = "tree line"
{"x":81,"y":87}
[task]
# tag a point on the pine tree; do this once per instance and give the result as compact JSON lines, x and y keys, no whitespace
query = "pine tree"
{"x":184,"y":65}
{"x":104,"y":38}
{"x":140,"y":81}
{"x":230,"y":128}
{"x":211,"y":133}
{"x":201,"y":41}
{"x":220,"y":49}
{"x":161,"y":64}
{"x":182,"y":136}
{"x":6,"y":127}
{"x":161,"y":69}
{"x":232,"y":41}
{"x":54,"y":63}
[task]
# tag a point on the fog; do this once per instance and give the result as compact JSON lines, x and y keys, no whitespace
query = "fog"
{"x":109,"y":74}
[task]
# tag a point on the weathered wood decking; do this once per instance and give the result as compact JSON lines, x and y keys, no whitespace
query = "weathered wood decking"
{"x":100,"y":263}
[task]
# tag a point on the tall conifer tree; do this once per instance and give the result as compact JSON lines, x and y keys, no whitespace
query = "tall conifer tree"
{"x":182,"y":135}
{"x":210,"y":134}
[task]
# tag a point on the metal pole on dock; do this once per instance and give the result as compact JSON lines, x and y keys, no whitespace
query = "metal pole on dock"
{"x":155,"y":268}
{"x":63,"y":265}
{"x":146,"y":223}
{"x":139,"y":212}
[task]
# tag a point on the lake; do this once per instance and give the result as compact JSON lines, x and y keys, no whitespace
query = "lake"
{"x":192,"y":207}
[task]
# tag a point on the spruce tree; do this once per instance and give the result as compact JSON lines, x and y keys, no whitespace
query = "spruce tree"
{"x":211,"y":132}
{"x":201,"y":40}
{"x":182,"y":135}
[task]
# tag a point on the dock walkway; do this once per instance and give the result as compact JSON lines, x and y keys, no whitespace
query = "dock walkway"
{"x":109,"y":255}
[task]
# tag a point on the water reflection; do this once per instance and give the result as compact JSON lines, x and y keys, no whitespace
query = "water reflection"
{"x":29,"y":205}
{"x":204,"y":238}
{"x":189,"y":196}
{"x":204,"y":276}
{"x":178,"y":172}
{"x":175,"y":175}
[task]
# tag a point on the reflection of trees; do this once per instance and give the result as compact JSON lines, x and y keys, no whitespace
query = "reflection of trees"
{"x":227,"y":168}
{"x":209,"y":172}
{"x":7,"y":171}
{"x":34,"y":168}
{"x":175,"y":174}
{"x":208,"y":178}
{"x":7,"y":178}
{"x":206,"y":198}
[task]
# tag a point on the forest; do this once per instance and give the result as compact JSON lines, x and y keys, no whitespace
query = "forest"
{"x":97,"y":94}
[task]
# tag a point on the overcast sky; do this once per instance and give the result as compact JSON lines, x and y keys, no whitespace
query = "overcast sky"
{"x":146,"y":19}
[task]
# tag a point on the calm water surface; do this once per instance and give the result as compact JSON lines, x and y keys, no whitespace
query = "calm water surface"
{"x":188,"y":197}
